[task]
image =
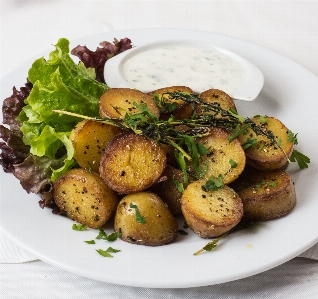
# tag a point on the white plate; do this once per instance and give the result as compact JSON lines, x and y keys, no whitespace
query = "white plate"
{"x":289,"y":93}
{"x":247,"y":89}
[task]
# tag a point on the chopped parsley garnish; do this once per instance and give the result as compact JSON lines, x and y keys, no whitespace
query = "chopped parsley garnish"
{"x":139,"y":218}
{"x":79,"y":227}
{"x":90,"y":242}
{"x":213,"y":184}
{"x":178,"y":185}
{"x":211,"y":245}
{"x":103,"y":236}
{"x":249,"y":143}
{"x":292,"y":137}
{"x":233,"y":163}
{"x":106,"y":253}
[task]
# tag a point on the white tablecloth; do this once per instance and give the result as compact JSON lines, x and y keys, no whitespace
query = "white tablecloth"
{"x":30,"y":27}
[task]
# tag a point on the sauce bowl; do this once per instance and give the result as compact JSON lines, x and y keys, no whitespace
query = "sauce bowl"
{"x":198,"y":65}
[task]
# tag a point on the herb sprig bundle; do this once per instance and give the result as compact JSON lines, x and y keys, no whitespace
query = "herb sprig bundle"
{"x":181,"y":134}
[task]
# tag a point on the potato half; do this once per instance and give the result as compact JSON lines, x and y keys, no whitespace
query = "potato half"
{"x":265,"y":194}
{"x":224,"y":158}
{"x":210,"y":213}
{"x":213,"y":96}
{"x":116,"y":102}
{"x":89,"y":139}
{"x":184,"y":110}
{"x":143,"y":218}
{"x":132,"y":163}
{"x":263,"y":155}
{"x":84,"y":197}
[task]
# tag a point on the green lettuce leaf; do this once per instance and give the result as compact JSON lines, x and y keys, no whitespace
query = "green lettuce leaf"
{"x":58,"y":84}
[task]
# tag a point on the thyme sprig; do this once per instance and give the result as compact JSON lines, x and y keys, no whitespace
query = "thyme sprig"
{"x":168,"y":131}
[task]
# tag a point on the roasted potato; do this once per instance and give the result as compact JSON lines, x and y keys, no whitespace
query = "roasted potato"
{"x":265,"y":194}
{"x":117,"y":102}
{"x":143,"y":218}
{"x":84,"y":197}
{"x":89,"y":139}
{"x":132,"y":163}
{"x":168,"y":190}
{"x":210,"y":213}
{"x":184,"y":110}
{"x":169,"y":150}
{"x":224,"y":158}
{"x":263,"y":155}
{"x":213,"y":96}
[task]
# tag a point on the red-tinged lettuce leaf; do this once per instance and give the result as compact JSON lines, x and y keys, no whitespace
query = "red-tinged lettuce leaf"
{"x":13,"y":105}
{"x":97,"y":59}
{"x":34,"y":173}
{"x":13,"y":150}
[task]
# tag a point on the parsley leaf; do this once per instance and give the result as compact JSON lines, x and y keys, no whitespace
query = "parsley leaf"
{"x":292,"y":137}
{"x":178,"y":185}
{"x":233,"y":163}
{"x":103,"y":236}
{"x":238,"y":131}
{"x":249,"y":143}
{"x":79,"y":227}
{"x":106,"y":253}
{"x":211,"y":245}
{"x":300,"y":158}
{"x":213,"y":184}
{"x":139,"y":218}
{"x":90,"y":242}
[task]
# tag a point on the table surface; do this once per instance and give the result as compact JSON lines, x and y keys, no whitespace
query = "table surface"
{"x":30,"y":27}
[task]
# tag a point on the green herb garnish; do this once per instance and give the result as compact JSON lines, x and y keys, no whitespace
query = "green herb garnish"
{"x":213,"y":184}
{"x":292,"y":137}
{"x":139,"y":218}
{"x":211,"y":245}
{"x":79,"y":227}
{"x":103,"y":236}
{"x":233,"y":163}
{"x":167,"y":131}
{"x":106,"y":253}
{"x":300,"y":158}
{"x":90,"y":242}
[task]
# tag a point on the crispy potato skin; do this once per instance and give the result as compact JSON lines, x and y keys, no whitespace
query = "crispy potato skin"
{"x":116,"y":102}
{"x":212,"y":96}
{"x":132,"y":163}
{"x":210,"y":214}
{"x":265,"y":195}
{"x":221,"y":151}
{"x":160,"y":226}
{"x":89,"y":139}
{"x":183,"y":111}
{"x":84,"y":197}
{"x":167,"y":190}
{"x":264,"y":156}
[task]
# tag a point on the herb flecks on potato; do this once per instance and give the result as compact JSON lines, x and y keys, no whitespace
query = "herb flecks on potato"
{"x":143,"y":218}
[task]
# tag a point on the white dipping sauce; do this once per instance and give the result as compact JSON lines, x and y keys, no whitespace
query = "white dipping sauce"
{"x":198,"y":68}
